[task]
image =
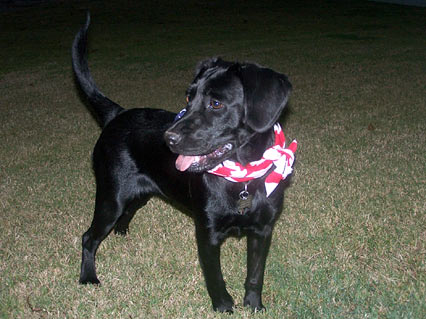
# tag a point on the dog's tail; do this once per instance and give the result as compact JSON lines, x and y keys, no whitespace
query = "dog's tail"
{"x":104,"y":109}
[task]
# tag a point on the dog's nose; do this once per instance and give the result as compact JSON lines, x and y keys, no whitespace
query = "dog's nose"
{"x":172,"y":138}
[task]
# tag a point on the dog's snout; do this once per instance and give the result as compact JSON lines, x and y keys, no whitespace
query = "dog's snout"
{"x":172,"y":138}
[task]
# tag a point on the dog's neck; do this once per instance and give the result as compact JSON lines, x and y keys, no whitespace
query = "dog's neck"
{"x":273,"y":167}
{"x":255,"y":147}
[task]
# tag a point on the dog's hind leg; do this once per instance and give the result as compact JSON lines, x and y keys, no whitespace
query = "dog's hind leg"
{"x":122,"y":225}
{"x":108,"y":210}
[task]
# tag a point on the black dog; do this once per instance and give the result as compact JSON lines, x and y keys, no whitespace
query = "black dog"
{"x":231,"y":111}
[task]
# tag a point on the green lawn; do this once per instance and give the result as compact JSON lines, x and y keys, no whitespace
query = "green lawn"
{"x":351,"y":242}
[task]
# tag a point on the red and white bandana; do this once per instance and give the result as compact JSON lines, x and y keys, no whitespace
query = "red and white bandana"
{"x":279,"y":156}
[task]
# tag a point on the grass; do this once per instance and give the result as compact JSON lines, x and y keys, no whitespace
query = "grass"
{"x":351,"y":240}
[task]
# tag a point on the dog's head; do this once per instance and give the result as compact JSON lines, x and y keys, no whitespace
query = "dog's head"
{"x":227,"y":103}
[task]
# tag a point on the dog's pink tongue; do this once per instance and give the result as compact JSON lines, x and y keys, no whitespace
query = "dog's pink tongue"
{"x":183,"y":162}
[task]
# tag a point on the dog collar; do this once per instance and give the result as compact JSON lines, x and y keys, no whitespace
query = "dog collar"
{"x":279,"y":156}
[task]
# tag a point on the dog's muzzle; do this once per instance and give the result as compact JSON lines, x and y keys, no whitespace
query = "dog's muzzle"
{"x":196,"y":163}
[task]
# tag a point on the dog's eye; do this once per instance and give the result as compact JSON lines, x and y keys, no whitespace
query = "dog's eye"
{"x":215,"y":104}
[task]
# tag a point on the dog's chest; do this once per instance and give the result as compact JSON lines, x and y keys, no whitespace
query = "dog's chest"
{"x":238,"y":216}
{"x":234,"y":209}
{"x":237,"y":225}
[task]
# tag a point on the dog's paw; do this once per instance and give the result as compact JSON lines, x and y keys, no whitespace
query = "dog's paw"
{"x":224,"y":308}
{"x":121,"y":231}
{"x":254,"y":301}
{"x":226,"y":305}
{"x":258,"y":308}
{"x":89,"y":281}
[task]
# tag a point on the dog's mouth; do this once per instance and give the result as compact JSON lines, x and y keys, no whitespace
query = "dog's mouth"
{"x":200,"y":163}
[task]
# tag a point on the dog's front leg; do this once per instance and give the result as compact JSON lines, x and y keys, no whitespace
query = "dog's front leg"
{"x":209,"y":255}
{"x":257,"y":251}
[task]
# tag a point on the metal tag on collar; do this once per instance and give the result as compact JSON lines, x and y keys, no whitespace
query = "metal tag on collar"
{"x":245,"y":200}
{"x":180,"y":115}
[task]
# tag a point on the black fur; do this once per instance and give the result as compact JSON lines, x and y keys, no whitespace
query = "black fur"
{"x":134,"y":159}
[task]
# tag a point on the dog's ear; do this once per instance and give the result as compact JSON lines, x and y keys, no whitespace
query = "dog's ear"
{"x":265,"y":93}
{"x":203,"y":66}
